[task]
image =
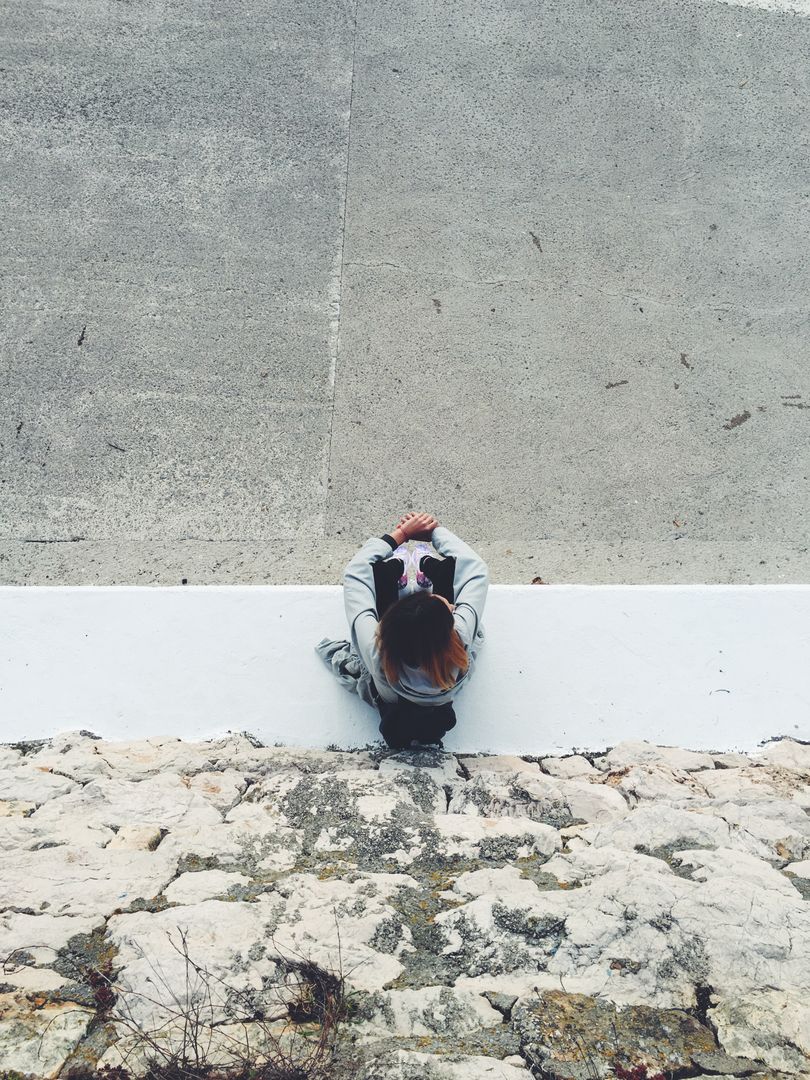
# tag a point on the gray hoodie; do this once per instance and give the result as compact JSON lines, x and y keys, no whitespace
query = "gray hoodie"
{"x":470,"y":585}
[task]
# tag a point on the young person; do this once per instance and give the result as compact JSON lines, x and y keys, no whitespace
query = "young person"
{"x":411,"y":649}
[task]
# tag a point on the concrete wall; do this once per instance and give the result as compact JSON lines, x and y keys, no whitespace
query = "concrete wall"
{"x":254,"y":251}
{"x":711,"y":667}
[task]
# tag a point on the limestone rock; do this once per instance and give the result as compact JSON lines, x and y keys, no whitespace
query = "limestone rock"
{"x":441,"y":767}
{"x":229,"y":941}
{"x":553,"y":801}
{"x":506,"y":881}
{"x":141,"y":758}
{"x":494,"y":838}
{"x":788,"y":753}
{"x":725,"y":1063}
{"x":731,"y":760}
{"x":750,"y":919}
{"x":31,"y":980}
{"x":41,"y":936}
{"x":15,"y":808}
{"x":324,"y":919}
{"x":81,"y":881}
{"x":224,"y":1045}
{"x":782,"y":827}
{"x":658,"y":826}
{"x":193,"y":887}
{"x":431,"y":1010}
{"x":266,"y":760}
{"x":224,"y":841}
{"x":136,"y":838}
{"x":636,"y":930}
{"x":770,"y":1025}
{"x":640,"y":752}
{"x":756,"y":783}
{"x":27,"y":783}
{"x":661,"y":783}
{"x":584,"y":864}
{"x":383,"y":816}
{"x":572,"y":1029}
{"x":39,"y":1041}
{"x":9,"y":756}
{"x":412,"y":1065}
{"x":30,"y":833}
{"x":593,"y":801}
{"x":75,"y":755}
{"x":240,"y":943}
{"x":498,"y":764}
{"x":568,"y":767}
{"x":448,"y":890}
{"x":222,"y":789}
{"x":159,"y":800}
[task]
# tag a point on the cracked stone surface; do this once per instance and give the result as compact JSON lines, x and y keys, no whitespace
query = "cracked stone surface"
{"x":492,"y":917}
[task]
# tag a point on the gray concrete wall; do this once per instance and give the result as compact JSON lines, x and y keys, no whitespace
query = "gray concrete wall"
{"x":273,"y":273}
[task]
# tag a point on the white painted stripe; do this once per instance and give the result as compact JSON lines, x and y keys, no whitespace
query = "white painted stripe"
{"x":707,"y":667}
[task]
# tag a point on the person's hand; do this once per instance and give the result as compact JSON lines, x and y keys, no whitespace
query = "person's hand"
{"x":417,"y":526}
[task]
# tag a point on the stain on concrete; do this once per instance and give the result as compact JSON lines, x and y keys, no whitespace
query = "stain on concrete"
{"x":735,"y":421}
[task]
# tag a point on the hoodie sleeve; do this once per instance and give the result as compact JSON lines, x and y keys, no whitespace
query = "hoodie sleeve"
{"x":470,"y":582}
{"x":360,"y":602}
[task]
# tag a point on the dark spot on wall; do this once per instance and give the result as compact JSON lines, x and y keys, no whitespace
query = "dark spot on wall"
{"x":621,"y":382}
{"x":535,"y":241}
{"x":437,"y":305}
{"x":685,"y":362}
{"x":81,"y":335}
{"x":735,"y":421}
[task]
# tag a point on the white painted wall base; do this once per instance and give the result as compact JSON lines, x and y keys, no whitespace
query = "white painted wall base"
{"x":569,"y":666}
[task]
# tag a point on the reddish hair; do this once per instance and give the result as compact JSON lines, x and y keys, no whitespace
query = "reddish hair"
{"x":419,"y":630}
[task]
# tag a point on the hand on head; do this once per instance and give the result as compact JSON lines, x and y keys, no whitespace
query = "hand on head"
{"x":417,"y":526}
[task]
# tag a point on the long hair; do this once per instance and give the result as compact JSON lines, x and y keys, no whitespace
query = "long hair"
{"x":419,"y":630}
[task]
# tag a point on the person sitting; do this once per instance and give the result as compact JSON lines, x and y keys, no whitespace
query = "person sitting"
{"x":413,"y":645}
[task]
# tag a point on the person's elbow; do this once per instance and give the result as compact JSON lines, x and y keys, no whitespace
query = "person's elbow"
{"x":353,"y":568}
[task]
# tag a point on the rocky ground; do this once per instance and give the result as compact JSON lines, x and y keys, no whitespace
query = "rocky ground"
{"x":492,"y":917}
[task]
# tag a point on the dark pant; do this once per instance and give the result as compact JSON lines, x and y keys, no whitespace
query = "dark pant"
{"x":387,"y":573}
{"x":402,"y":721}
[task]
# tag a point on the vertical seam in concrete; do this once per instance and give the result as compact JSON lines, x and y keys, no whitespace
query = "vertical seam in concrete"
{"x":336,"y":286}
